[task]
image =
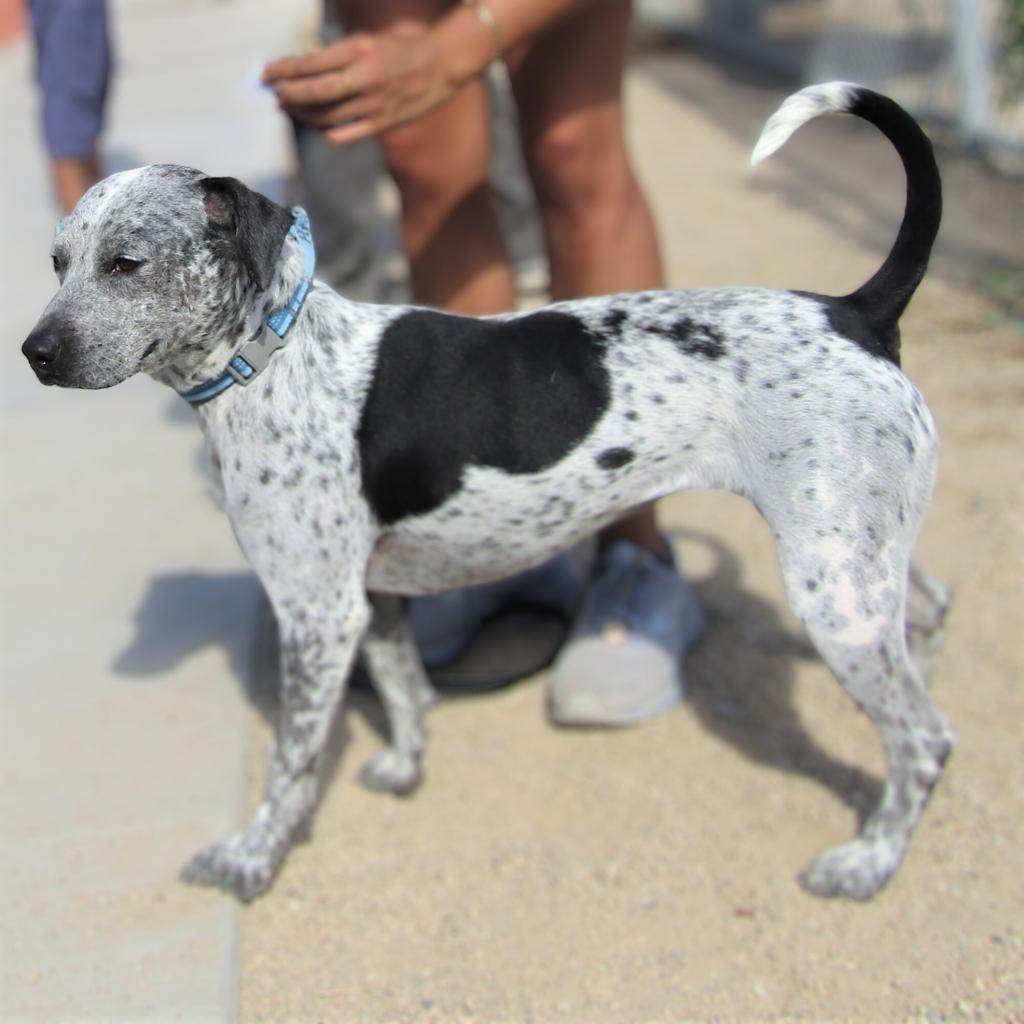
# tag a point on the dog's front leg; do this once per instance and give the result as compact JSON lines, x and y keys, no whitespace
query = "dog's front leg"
{"x":317,"y":649}
{"x":401,"y":683}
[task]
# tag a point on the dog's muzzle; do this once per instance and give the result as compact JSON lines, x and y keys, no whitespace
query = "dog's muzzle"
{"x":43,"y":349}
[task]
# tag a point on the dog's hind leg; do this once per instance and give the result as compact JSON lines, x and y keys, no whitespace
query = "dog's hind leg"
{"x":401,"y":683}
{"x":850,"y":592}
{"x":928,"y":604}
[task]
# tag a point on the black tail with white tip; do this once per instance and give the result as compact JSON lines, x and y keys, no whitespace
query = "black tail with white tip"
{"x":879,"y":303}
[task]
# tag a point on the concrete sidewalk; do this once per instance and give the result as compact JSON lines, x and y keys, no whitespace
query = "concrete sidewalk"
{"x":127,"y":613}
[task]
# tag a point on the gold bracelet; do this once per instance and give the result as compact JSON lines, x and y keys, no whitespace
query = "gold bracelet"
{"x":486,"y":15}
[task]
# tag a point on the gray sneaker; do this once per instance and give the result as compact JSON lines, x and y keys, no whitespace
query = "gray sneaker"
{"x":623,"y":662}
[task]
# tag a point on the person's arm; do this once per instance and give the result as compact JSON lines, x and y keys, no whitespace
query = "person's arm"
{"x":471,"y":35}
{"x":367,"y":83}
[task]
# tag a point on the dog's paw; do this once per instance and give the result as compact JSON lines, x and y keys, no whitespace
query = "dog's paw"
{"x":232,"y":865}
{"x":854,"y":871}
{"x":392,"y":771}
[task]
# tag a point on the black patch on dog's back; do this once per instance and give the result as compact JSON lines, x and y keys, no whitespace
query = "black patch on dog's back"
{"x":451,"y":392}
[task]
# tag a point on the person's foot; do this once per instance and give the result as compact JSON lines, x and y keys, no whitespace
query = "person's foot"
{"x":623,"y":662}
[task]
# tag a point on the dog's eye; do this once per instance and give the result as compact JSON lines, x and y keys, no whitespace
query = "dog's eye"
{"x":56,"y":264}
{"x":124,"y":265}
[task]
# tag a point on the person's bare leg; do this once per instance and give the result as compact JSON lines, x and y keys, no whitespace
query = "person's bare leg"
{"x":457,"y":259}
{"x":73,"y":177}
{"x":623,"y":663}
{"x":599,"y":230}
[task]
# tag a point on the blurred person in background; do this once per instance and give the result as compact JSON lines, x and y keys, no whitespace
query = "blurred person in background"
{"x":12,"y":21}
{"x":358,"y":250}
{"x":356,"y":240}
{"x":73,"y":68}
{"x":410,"y":73}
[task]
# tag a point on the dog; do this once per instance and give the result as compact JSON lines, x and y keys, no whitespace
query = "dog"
{"x":366,"y":453}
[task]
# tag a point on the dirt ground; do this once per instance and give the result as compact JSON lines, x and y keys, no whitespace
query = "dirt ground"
{"x":649,"y":874}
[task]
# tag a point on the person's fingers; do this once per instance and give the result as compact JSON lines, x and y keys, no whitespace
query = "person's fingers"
{"x":295,"y":67}
{"x":354,"y":131}
{"x":328,"y":58}
{"x":362,"y":85}
{"x":327,"y":87}
{"x":333,"y":115}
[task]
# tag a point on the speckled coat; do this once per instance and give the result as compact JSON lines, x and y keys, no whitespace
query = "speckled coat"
{"x":389,"y":451}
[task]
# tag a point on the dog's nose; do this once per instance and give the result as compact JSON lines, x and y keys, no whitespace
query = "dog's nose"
{"x":42,"y":348}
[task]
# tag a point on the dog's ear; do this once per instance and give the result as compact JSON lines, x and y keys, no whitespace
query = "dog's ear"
{"x":254,"y":225}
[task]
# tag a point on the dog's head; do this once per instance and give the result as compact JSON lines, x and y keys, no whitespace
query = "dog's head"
{"x":157,"y":267}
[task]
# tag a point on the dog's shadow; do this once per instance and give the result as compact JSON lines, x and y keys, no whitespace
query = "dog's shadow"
{"x":740,"y":675}
{"x":185,"y":613}
{"x":740,"y":684}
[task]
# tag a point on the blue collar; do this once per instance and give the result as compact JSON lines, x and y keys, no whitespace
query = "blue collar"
{"x":252,"y":358}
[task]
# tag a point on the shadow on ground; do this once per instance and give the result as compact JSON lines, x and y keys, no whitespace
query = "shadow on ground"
{"x":740,"y":675}
{"x":740,"y":684}
{"x":184,"y":613}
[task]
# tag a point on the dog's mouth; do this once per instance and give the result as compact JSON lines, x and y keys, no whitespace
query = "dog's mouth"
{"x":45,"y":376}
{"x":73,"y":378}
{"x":59,"y":376}
{"x":51,"y":375}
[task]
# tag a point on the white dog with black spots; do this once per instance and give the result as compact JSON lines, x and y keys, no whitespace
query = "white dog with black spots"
{"x":372,"y":452}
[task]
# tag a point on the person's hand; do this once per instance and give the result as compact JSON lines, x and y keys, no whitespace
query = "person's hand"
{"x":363,"y":84}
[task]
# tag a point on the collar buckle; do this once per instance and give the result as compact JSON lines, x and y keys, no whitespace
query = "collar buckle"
{"x":253,"y":356}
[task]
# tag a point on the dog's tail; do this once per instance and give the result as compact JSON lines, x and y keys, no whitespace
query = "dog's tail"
{"x":881,"y":300}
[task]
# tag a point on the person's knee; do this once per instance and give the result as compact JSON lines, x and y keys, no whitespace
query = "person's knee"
{"x":425,"y":172}
{"x":410,"y":159}
{"x":581,"y":175}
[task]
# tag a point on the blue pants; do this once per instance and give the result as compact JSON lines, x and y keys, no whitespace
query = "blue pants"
{"x":73,"y":68}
